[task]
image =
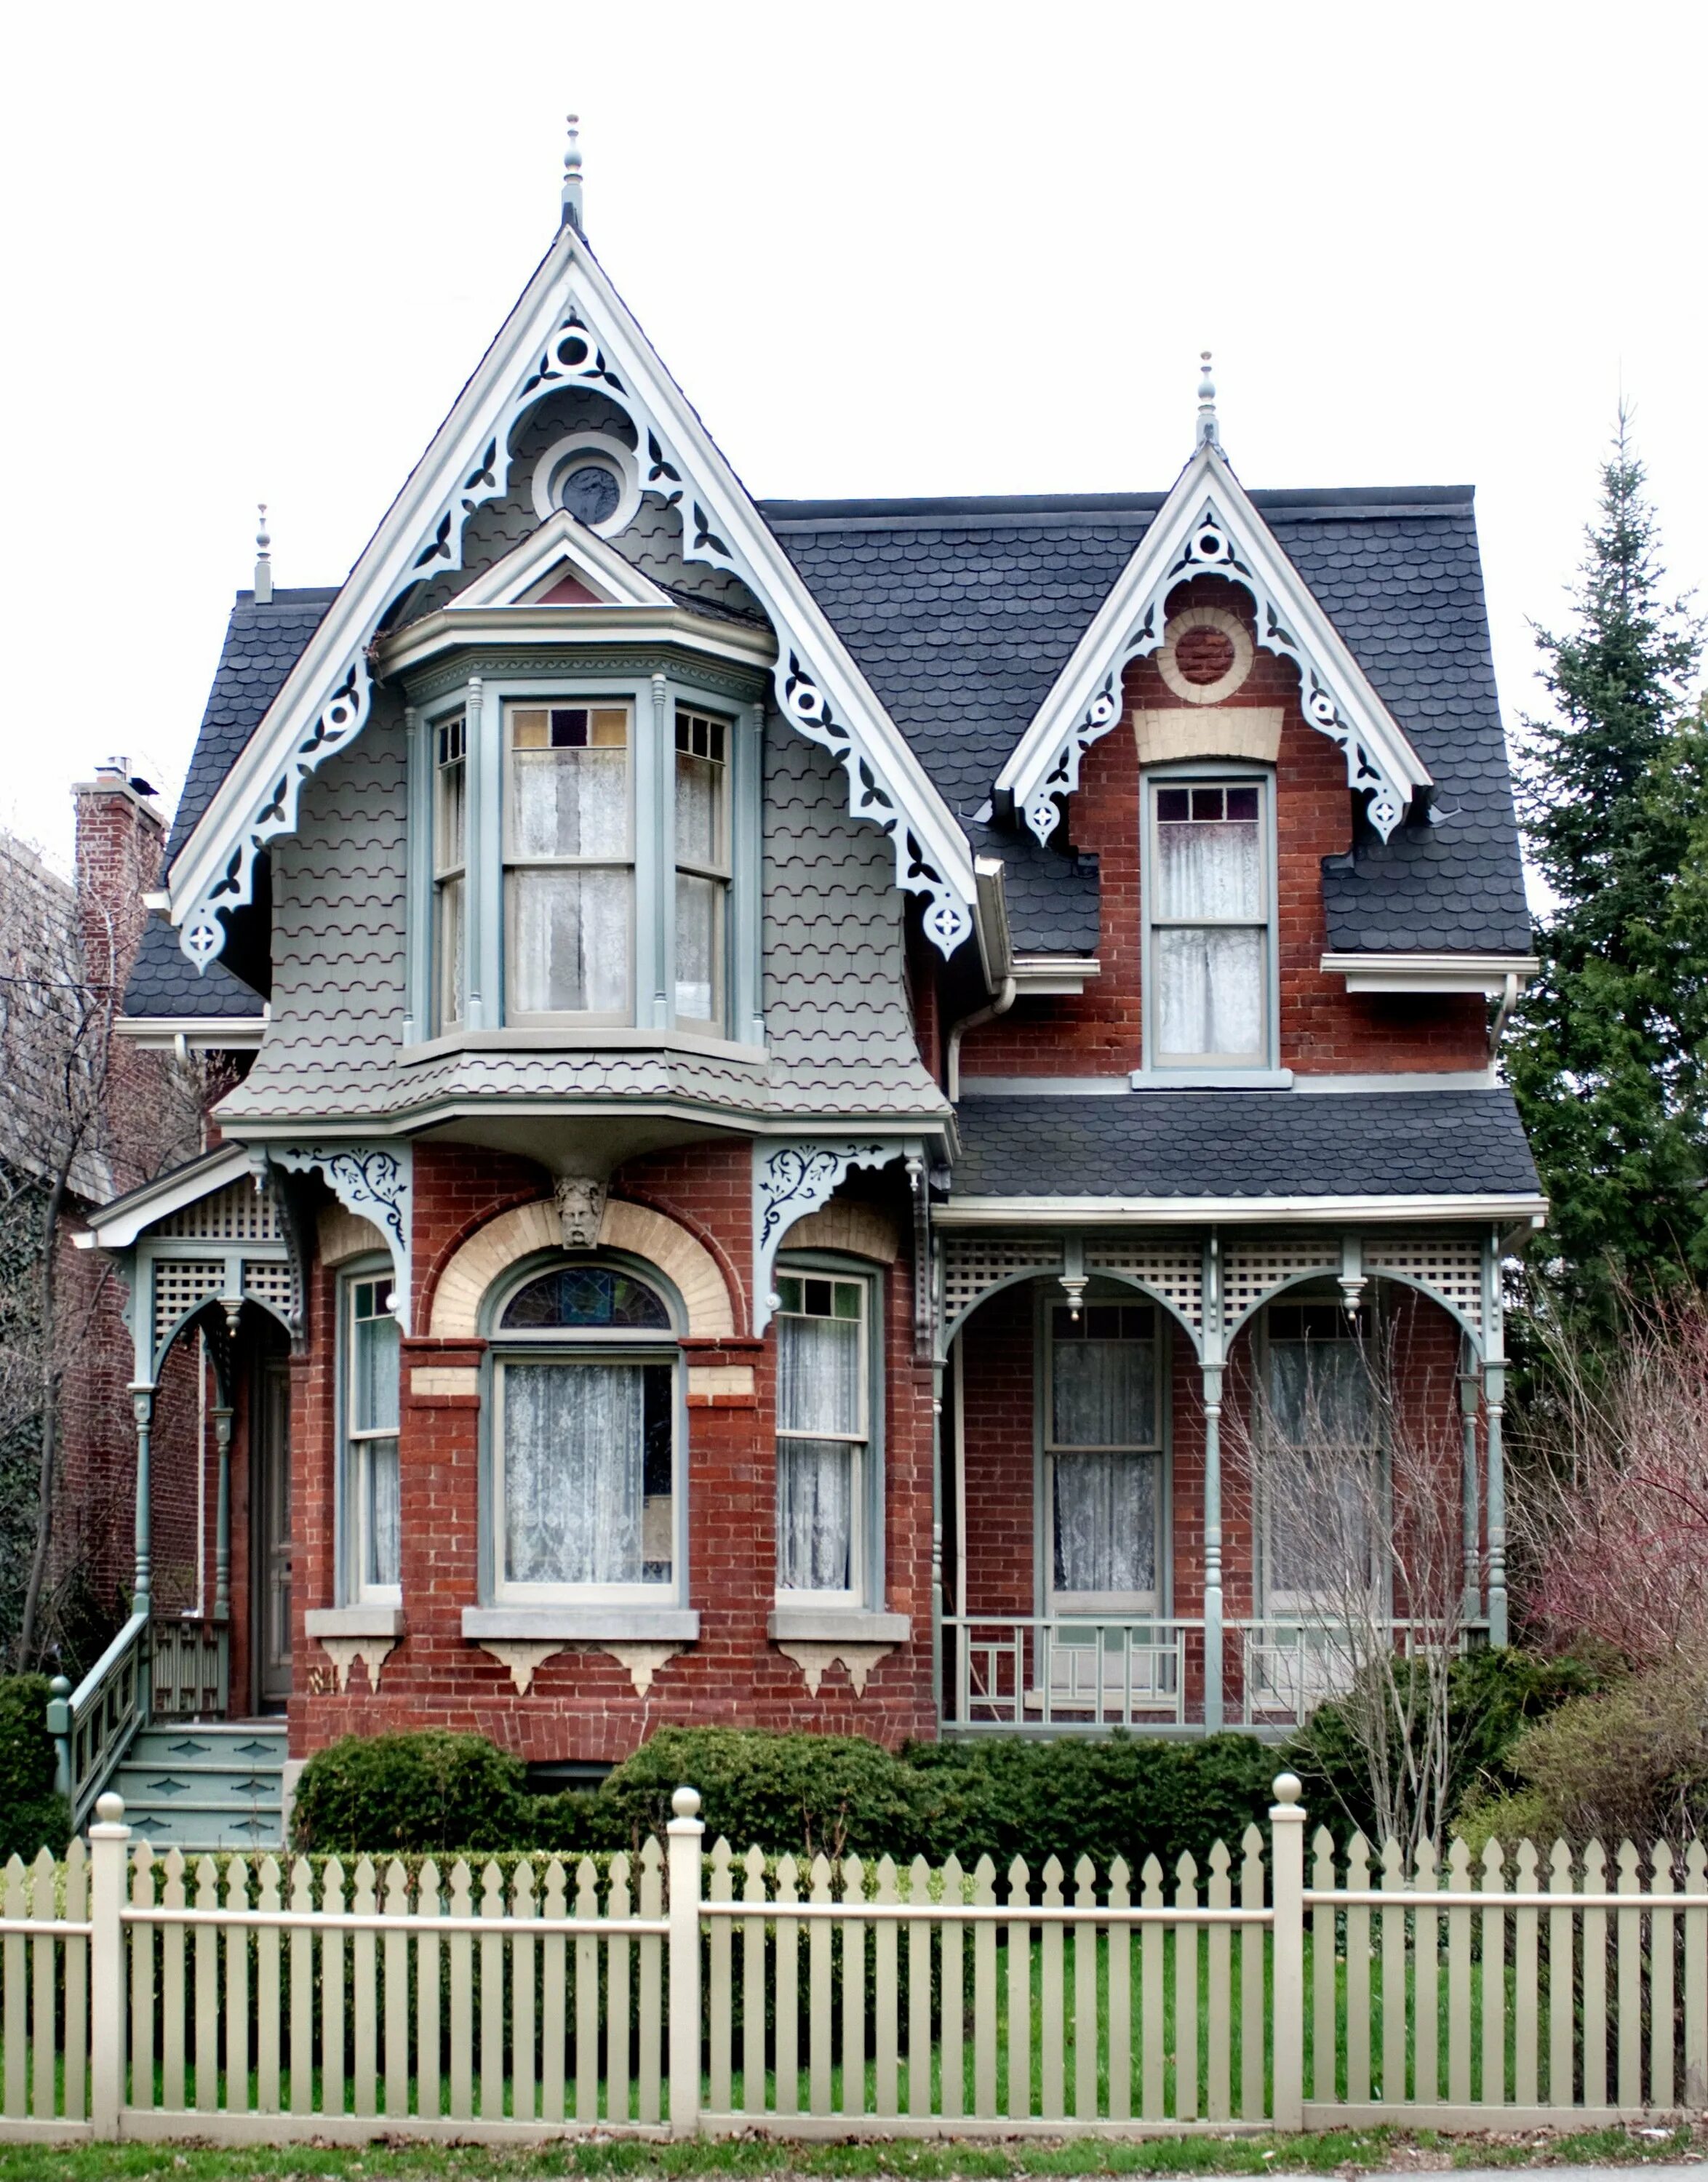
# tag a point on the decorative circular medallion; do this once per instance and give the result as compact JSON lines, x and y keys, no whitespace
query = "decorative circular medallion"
{"x":1206,"y":654}
{"x":590,"y":475}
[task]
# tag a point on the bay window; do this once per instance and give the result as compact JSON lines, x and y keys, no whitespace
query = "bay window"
{"x":450,"y":867}
{"x":1208,"y":893}
{"x":370,"y":1426}
{"x":568,"y":863}
{"x":584,"y":1441}
{"x":702,"y":864}
{"x":1103,"y":1459}
{"x":823,"y":1434}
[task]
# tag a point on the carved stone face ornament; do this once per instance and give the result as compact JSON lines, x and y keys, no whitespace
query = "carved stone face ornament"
{"x":581,"y":1209}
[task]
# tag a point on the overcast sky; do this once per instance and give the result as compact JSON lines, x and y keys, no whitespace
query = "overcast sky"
{"x":252,"y":252}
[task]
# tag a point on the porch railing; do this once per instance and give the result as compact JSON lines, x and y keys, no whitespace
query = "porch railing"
{"x":190,"y":1671}
{"x":92,"y":1725}
{"x":1020,"y":1674}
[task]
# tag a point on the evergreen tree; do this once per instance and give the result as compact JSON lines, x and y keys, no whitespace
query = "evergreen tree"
{"x":1610,"y":1044}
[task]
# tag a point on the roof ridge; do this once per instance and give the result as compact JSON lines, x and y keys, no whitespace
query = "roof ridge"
{"x":1366,"y":499}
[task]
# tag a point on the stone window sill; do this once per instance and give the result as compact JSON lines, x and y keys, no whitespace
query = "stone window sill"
{"x":354,"y":1621}
{"x":584,"y":1625}
{"x":831,"y":1624}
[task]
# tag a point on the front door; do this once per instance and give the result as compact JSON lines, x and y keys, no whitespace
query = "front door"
{"x":270,"y":1501}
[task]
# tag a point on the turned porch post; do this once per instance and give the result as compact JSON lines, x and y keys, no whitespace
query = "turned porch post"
{"x":1470,"y":1401}
{"x":222,"y":1521}
{"x":1213,"y":1483}
{"x":142,"y":1407}
{"x":1493,"y":1400}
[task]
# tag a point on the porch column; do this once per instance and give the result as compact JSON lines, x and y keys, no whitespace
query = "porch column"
{"x":142,"y":1407}
{"x":222,"y":1531}
{"x":1470,"y":1400}
{"x":1213,"y":1547}
{"x":1494,"y":1395}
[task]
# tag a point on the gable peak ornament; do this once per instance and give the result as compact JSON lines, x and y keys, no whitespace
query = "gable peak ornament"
{"x":263,"y":560}
{"x":1208,"y":433}
{"x":572,"y":176}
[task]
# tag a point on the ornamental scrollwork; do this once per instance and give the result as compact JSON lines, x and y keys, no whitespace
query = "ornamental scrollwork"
{"x":372,"y":1181}
{"x":790,"y":1181}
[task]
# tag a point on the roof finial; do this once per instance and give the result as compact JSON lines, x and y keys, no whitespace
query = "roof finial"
{"x":572,"y":176}
{"x":264,"y":561}
{"x":1207,"y":434}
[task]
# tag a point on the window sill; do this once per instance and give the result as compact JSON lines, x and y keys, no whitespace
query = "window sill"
{"x":1211,"y":1079}
{"x":623,"y":1038}
{"x":586,"y":1625}
{"x":354,"y":1621}
{"x":830,"y":1624}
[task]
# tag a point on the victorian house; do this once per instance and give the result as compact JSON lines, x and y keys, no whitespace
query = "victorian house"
{"x":808,"y":1068}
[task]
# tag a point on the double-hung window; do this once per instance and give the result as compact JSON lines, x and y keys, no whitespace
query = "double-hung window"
{"x":370,"y":1414}
{"x":449,"y":868}
{"x":702,"y":865}
{"x":569,"y":867}
{"x":1208,"y":900}
{"x":1322,"y":1465}
{"x":585,"y":1437}
{"x":1103,"y":1459}
{"x":823,"y":1434}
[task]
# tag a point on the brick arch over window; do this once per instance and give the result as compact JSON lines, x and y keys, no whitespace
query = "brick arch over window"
{"x":529,"y":1228}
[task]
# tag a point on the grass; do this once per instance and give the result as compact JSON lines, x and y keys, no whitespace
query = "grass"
{"x":1338,"y":2152}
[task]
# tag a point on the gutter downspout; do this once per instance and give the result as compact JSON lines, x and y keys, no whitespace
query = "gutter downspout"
{"x":1509,"y":1000}
{"x":999,"y":1007}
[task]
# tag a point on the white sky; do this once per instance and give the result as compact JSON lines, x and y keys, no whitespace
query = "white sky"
{"x":252,"y":251}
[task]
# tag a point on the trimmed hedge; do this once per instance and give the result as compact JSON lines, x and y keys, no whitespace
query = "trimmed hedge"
{"x":32,"y":1817}
{"x":422,"y":1793}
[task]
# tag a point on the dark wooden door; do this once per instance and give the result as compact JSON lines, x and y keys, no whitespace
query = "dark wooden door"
{"x":270,"y":1503}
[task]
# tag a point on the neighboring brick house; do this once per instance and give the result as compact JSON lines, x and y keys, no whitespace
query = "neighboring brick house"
{"x":796,"y":1047}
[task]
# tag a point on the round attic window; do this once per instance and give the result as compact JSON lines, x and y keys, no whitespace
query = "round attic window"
{"x":590,"y":475}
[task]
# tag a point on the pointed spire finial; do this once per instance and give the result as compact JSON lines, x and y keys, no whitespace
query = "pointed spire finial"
{"x":264,"y":561}
{"x":572,"y":176}
{"x":1207,"y":433}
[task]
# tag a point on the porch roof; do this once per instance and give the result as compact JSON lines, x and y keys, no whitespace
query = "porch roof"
{"x":1215,"y":1145}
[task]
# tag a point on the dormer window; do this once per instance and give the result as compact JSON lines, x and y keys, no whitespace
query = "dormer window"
{"x":587,"y":860}
{"x":568,"y":862}
{"x":1209,"y":889}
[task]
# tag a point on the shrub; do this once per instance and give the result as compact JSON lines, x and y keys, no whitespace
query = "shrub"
{"x":1629,"y":1762}
{"x":31,"y":1815}
{"x":1493,"y":1698}
{"x":425,"y":1792}
{"x":1101,"y":1798}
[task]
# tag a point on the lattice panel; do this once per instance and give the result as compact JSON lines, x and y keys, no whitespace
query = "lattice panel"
{"x":271,"y":1281}
{"x":239,"y":1213}
{"x":1176,"y":1273}
{"x":180,"y":1284}
{"x":1248,"y":1275}
{"x":1451,"y":1269}
{"x":972,"y":1266}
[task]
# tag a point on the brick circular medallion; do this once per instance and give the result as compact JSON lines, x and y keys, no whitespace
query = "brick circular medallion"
{"x":1206,"y":654}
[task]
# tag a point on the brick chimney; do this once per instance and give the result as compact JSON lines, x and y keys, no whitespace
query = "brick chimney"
{"x":120,"y":835}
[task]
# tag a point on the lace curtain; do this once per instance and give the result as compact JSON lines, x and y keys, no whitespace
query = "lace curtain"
{"x":819,"y":1368}
{"x":1210,"y":980}
{"x":373,"y":1424}
{"x":575,"y":1472}
{"x":569,"y":939}
{"x":1103,"y":1397}
{"x":1322,"y":1410}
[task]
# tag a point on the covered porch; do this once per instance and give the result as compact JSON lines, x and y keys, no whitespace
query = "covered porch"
{"x":1196,"y":1478}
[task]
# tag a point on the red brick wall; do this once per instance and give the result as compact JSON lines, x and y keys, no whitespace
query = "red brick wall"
{"x":1323,"y":1029}
{"x":582,"y":1703}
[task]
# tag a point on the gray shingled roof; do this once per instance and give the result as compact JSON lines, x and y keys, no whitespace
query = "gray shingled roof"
{"x":1243,"y":1144}
{"x":961,"y":613}
{"x":163,"y":982}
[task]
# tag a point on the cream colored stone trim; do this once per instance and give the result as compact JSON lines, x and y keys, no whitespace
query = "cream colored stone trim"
{"x":524,"y":1658}
{"x":444,"y":1379}
{"x":345,"y":1651}
{"x":1238,"y":731}
{"x":815,"y":1659}
{"x":341,"y":1236}
{"x":1225,"y":624}
{"x":861,"y":1230}
{"x":720,"y":1379}
{"x":513,"y":1236}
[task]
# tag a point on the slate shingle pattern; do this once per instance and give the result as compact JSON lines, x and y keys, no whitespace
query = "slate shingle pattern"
{"x":1243,"y":1144}
{"x":961,"y":613}
{"x":163,"y":982}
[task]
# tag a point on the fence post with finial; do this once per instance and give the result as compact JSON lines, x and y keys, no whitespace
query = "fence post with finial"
{"x":1287,"y":1907}
{"x":109,"y":1839}
{"x":686,"y":1831}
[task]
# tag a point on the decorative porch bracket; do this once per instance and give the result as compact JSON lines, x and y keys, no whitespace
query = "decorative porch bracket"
{"x":792,"y":1178}
{"x":373,"y":1181}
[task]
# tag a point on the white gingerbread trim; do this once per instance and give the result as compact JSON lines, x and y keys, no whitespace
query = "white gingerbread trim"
{"x":559,"y":542}
{"x":373,"y":1180}
{"x":790,"y":1180}
{"x":568,"y":329}
{"x":1209,"y":525}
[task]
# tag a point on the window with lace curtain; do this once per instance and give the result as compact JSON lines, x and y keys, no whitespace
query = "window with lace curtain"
{"x":371,"y":1357}
{"x":824,"y":1434}
{"x":1208,"y":892}
{"x":1321,"y":1465}
{"x":584,"y":1440}
{"x":1103,"y":1459}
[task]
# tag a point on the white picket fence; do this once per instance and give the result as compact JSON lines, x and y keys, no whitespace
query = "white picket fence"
{"x":679,"y":1993}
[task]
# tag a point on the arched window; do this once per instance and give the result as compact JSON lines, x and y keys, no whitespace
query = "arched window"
{"x":585,"y":1439}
